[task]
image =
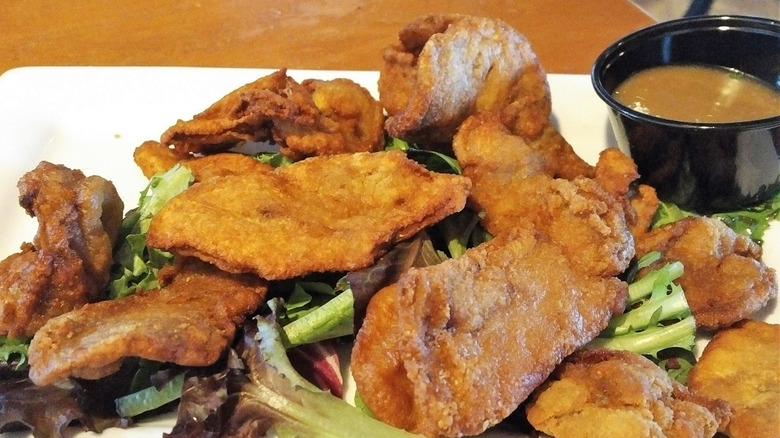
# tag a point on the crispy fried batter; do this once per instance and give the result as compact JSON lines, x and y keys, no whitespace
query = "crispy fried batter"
{"x":619,"y":394}
{"x":618,"y":174}
{"x":644,"y":203}
{"x":724,"y":280}
{"x":549,"y":154}
{"x":430,"y":356}
{"x":189,"y":321}
{"x":351,"y":121}
{"x":234,"y":118}
{"x":68,"y":263}
{"x":562,"y":161}
{"x":333,"y":213}
{"x":513,"y":190}
{"x":433,"y":355}
{"x":741,"y":365}
{"x":152,"y":157}
{"x":446,"y":67}
{"x":314,"y":118}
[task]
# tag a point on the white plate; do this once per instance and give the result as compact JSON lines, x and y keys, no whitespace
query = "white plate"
{"x":92,"y":118}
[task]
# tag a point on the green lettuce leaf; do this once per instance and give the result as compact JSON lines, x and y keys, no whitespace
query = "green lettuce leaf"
{"x":13,"y":352}
{"x":149,"y":398}
{"x":135,"y":265}
{"x":333,"y":319}
{"x":752,"y":222}
{"x":657,"y":321}
{"x":291,"y":406}
{"x":273,"y":159}
{"x":432,"y":160}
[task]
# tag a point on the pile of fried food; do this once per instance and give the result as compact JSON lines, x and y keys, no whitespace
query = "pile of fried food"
{"x":448,"y":350}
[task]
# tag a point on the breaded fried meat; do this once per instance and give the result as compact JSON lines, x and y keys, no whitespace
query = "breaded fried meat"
{"x":741,"y":365}
{"x":511,"y":186}
{"x":454,"y":348}
{"x":313,"y":118}
{"x":67,"y":264}
{"x":725,"y":279}
{"x":322,"y":214}
{"x":152,"y":158}
{"x":618,"y":394}
{"x":189,"y":321}
{"x":447,"y":67}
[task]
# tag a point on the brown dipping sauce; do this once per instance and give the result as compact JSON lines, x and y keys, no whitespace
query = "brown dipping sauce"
{"x":699,"y":94}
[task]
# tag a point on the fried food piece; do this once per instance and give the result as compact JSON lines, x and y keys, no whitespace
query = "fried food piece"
{"x":25,"y":279}
{"x":512,"y":188}
{"x":454,"y":348}
{"x":724,"y":280}
{"x":608,"y":393}
{"x":644,"y":203}
{"x":549,"y":154}
{"x":618,"y":174}
{"x":68,"y":262}
{"x":314,"y":118}
{"x":562,"y":161}
{"x":483,"y":141}
{"x":153,"y":158}
{"x":351,"y":121}
{"x":741,"y":365}
{"x":331,"y":213}
{"x":447,"y":67}
{"x":189,"y":321}
{"x":234,"y":118}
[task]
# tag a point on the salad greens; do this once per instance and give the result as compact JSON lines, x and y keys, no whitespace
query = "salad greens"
{"x":752,"y":221}
{"x":333,"y":319}
{"x":48,"y":410}
{"x":657,"y":319}
{"x":432,"y":160}
{"x":149,"y":398}
{"x":13,"y":353}
{"x":461,"y":231}
{"x":263,"y":392}
{"x":273,"y":159}
{"x":136,"y":265}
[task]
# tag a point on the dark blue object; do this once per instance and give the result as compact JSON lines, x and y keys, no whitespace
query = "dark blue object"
{"x":698,"y":7}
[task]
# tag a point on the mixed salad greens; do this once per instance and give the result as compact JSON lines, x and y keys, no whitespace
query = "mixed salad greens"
{"x":265,"y":381}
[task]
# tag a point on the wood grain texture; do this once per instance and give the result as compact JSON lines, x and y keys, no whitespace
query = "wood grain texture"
{"x":310,"y":34}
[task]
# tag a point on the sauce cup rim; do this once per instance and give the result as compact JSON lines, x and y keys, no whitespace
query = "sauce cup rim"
{"x":671,"y":27}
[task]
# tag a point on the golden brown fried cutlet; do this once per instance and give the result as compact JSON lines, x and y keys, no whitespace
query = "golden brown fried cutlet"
{"x":447,"y":67}
{"x":314,"y":118}
{"x":351,"y":121}
{"x":153,"y":158}
{"x":68,"y":262}
{"x":512,"y":189}
{"x":606,"y":393}
{"x":322,"y":214}
{"x":189,"y":321}
{"x":724,"y":280}
{"x":232,"y":119}
{"x":454,"y":348}
{"x":741,"y":365}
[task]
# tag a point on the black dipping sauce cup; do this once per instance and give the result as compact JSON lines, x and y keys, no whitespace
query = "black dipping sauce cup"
{"x":700,"y":166}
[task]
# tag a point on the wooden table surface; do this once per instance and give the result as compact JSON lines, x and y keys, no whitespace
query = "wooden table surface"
{"x":313,"y":34}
